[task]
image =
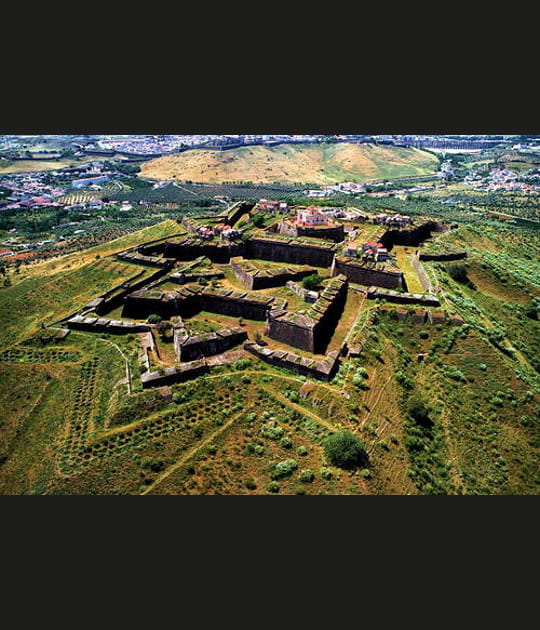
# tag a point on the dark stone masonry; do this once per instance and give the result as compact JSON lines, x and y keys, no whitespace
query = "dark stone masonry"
{"x":190,"y":300}
{"x":335,"y":233}
{"x":253,"y":278}
{"x":290,"y":251}
{"x":310,"y":329}
{"x":189,"y":348}
{"x":322,"y":370}
{"x":426,"y":299}
{"x":97,"y":324}
{"x":361,"y":274}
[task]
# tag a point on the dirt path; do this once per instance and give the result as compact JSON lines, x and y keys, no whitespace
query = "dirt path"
{"x":190,"y":454}
{"x":377,"y":400}
{"x":302,"y":410}
{"x":456,"y":470}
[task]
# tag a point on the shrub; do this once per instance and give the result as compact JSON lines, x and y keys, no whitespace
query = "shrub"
{"x":306,"y":476}
{"x":310,"y":283}
{"x":302,"y":451}
{"x":326,"y":474}
{"x":286,"y":443}
{"x":154,"y":319}
{"x":344,"y":450}
{"x":299,"y":490}
{"x":272,"y":431}
{"x":250,"y":484}
{"x":419,"y":412}
{"x":283,"y":469}
{"x":273,"y":486}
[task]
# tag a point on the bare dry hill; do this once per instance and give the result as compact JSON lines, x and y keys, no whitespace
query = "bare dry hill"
{"x":322,"y":164}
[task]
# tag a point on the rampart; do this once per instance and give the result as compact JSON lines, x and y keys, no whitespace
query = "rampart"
{"x":421,"y":272}
{"x":310,"y":329}
{"x":113,"y":299}
{"x":189,"y":300}
{"x":147,"y":261}
{"x":426,"y":299}
{"x":177,"y":374}
{"x":234,"y":216}
{"x":191,"y":248}
{"x":290,"y":251}
{"x":412,"y":237}
{"x":198,"y":346}
{"x":334,"y":233}
{"x":322,"y":370}
{"x":444,"y":257}
{"x":185,"y":278}
{"x":360,"y":274}
{"x":254,"y":278}
{"x":96,"y":324}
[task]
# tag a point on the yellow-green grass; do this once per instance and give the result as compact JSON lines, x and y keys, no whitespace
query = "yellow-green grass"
{"x":404,"y":262}
{"x":289,"y":164}
{"x":36,"y":166}
{"x":47,"y":291}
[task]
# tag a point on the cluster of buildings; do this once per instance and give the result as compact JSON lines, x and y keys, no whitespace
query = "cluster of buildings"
{"x":368,"y":252}
{"x":501,"y":179}
{"x":312,"y":217}
{"x":30,"y":190}
{"x":266,"y":205}
{"x":223,"y":231}
{"x":392,"y":220}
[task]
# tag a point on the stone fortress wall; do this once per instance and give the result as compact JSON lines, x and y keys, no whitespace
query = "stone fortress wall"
{"x":254,"y":278}
{"x":310,"y":329}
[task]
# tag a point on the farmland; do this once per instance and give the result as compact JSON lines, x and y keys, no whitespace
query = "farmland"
{"x":293,"y":164}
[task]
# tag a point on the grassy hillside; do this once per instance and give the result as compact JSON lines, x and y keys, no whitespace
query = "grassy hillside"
{"x":289,"y":164}
{"x":46,"y":291}
{"x":69,"y":426}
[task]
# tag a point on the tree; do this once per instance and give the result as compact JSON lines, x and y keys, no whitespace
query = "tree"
{"x":163,"y":328}
{"x":419,"y":412}
{"x":344,"y":450}
{"x":310,"y":283}
{"x":258,"y":220}
{"x":154,"y":319}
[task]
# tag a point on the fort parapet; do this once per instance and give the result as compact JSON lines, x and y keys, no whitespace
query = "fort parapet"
{"x":177,"y":374}
{"x":148,"y":261}
{"x":450,"y":256}
{"x":426,"y":299}
{"x":189,"y":300}
{"x":291,"y":251}
{"x":321,"y":370}
{"x":310,"y":329}
{"x":97,"y":324}
{"x":333,"y":233}
{"x":190,"y":248}
{"x":361,"y":274}
{"x":253,"y":278}
{"x":413,"y":236}
{"x":197,"y":346}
